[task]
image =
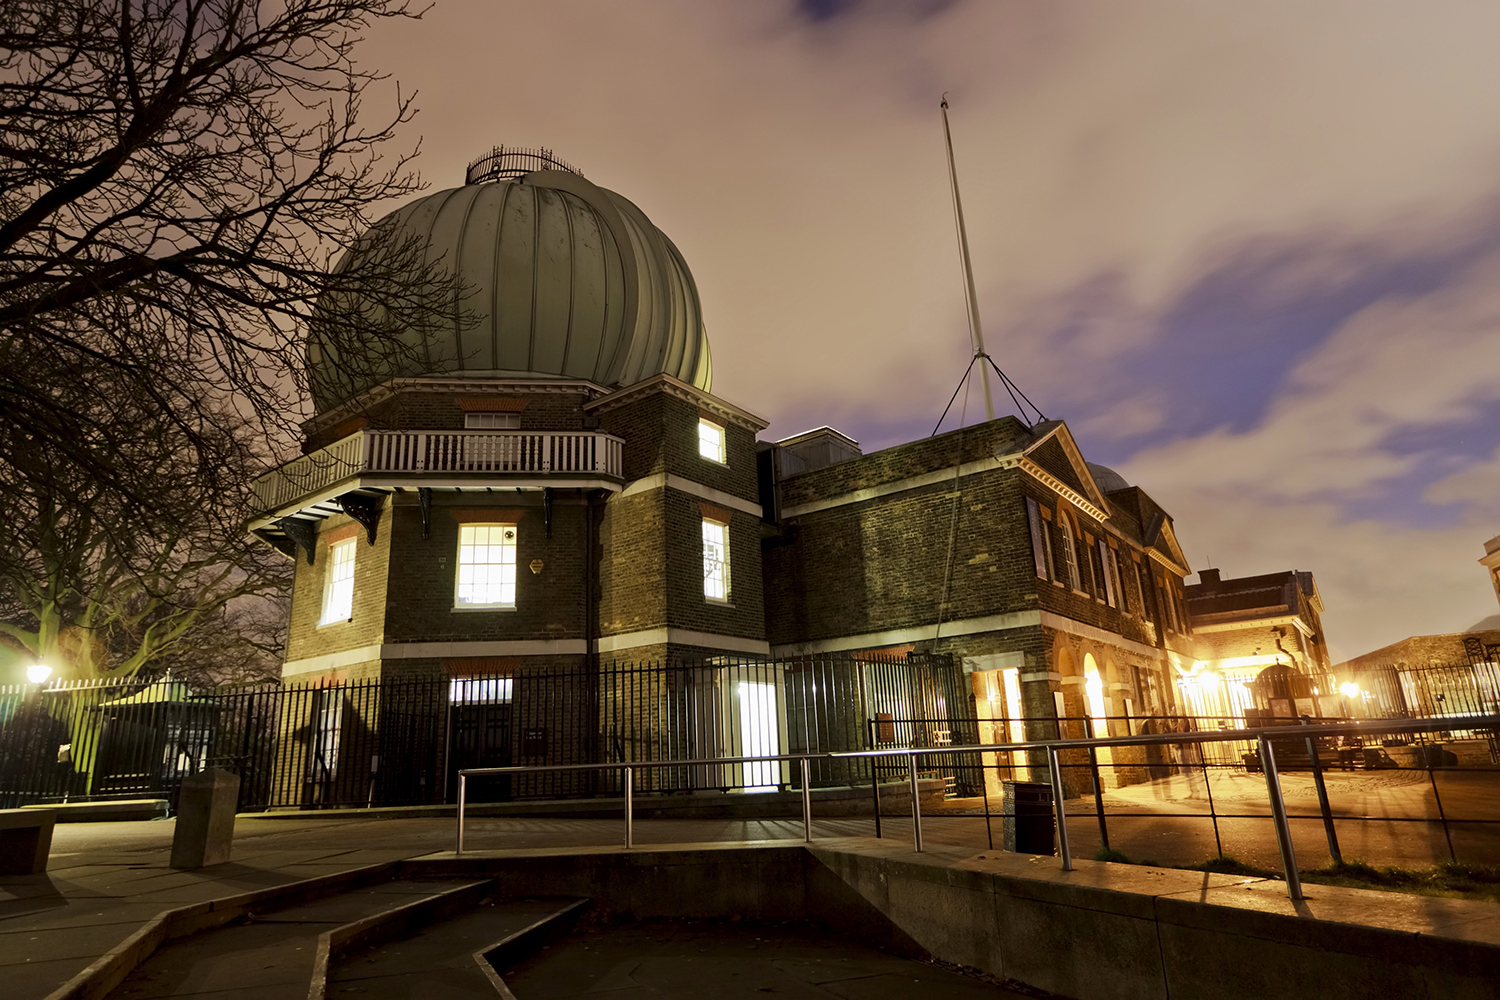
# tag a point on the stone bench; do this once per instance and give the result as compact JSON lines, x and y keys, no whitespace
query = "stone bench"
{"x":25,"y":840}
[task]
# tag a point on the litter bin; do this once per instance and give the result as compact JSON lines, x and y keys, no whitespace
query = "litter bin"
{"x":1028,"y":825}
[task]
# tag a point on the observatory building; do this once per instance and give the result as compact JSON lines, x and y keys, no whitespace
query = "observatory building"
{"x":546,"y":478}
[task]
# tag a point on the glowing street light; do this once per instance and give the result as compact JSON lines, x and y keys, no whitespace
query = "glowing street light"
{"x":1349,"y":689}
{"x":38,"y":673}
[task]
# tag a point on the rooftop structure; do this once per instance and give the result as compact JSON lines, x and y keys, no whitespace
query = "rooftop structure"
{"x":555,"y":278}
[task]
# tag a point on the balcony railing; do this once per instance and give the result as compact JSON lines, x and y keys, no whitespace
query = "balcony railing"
{"x":463,"y":453}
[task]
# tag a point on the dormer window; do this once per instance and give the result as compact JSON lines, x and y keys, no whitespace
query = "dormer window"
{"x":492,"y":421}
{"x":711,"y":440}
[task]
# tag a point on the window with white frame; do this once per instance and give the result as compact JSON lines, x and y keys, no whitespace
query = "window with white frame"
{"x":715,"y":560}
{"x":1069,"y":551}
{"x":338,"y":583}
{"x":486,"y":566}
{"x":492,"y":421}
{"x":711,"y":440}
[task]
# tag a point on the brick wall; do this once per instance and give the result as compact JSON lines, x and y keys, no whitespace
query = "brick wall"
{"x":661,"y":436}
{"x":421,"y":409}
{"x":549,"y":603}
{"x":1418,"y":651}
{"x":988,"y":440}
{"x":305,"y":637}
{"x":632,"y":563}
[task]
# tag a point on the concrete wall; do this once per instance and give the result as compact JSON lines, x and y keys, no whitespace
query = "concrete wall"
{"x":1101,"y":932}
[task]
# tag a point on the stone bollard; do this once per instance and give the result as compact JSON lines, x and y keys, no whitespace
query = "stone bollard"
{"x":205,"y":819}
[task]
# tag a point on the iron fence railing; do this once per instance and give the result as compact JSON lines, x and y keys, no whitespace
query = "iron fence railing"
{"x":401,"y":741}
{"x":1062,"y":754}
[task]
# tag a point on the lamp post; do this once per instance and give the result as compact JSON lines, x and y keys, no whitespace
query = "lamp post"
{"x":38,"y":673}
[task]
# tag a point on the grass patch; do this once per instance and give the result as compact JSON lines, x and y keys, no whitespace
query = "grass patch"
{"x":1452,"y":881}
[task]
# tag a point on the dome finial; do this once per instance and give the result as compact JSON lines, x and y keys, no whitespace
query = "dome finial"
{"x":508,"y":162}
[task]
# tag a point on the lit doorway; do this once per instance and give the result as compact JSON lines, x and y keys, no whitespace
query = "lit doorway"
{"x":1093,"y":685}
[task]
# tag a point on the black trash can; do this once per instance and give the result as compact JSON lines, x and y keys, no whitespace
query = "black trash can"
{"x":1029,"y":827}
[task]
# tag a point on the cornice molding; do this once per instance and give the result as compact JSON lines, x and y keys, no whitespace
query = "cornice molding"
{"x":671,"y":386}
{"x":1062,"y":489}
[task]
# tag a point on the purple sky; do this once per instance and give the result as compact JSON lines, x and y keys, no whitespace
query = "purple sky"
{"x":1250,"y":252}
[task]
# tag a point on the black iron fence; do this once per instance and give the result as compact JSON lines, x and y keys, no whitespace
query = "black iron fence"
{"x":1399,"y":691}
{"x":394,"y":742}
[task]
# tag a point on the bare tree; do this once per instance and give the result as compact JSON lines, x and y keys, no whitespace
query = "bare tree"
{"x":95,"y":585}
{"x":177,"y":178}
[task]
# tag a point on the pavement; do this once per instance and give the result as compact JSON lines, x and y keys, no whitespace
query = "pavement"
{"x":107,"y":879}
{"x":673,"y":959}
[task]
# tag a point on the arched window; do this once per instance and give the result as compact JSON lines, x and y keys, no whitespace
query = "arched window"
{"x":1069,"y":548}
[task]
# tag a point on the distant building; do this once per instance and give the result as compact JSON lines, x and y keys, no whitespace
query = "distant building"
{"x":1056,"y":584}
{"x":1244,"y":629}
{"x":1456,"y":673}
{"x":1491,"y":562}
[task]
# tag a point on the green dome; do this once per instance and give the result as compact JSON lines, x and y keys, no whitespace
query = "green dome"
{"x":559,"y":278}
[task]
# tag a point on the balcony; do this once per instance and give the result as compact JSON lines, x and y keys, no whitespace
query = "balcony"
{"x":445,"y":455}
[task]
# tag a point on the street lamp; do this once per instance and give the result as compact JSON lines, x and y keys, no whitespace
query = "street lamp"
{"x":38,"y":673}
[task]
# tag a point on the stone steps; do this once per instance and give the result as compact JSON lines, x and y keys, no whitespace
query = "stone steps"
{"x":273,"y":955}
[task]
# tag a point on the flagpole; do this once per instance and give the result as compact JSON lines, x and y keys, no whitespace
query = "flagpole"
{"x":963,"y":248}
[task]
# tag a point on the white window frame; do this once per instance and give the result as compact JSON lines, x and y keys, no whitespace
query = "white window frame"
{"x":338,"y":582}
{"x":715,"y":564}
{"x":492,"y":421}
{"x":1106,"y":557}
{"x":715,"y":449}
{"x":1070,"y":552}
{"x":468,"y":539}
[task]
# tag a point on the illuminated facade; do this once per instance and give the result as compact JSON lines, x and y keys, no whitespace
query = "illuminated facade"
{"x":556,"y":485}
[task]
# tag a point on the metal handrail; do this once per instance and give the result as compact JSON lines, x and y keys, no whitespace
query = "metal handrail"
{"x":1263,"y":736}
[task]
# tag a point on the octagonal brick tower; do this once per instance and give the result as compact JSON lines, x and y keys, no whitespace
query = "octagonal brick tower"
{"x":554,"y":405}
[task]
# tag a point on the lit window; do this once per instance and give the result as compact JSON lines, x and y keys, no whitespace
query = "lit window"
{"x":486,"y":566}
{"x":492,"y":421}
{"x":711,"y":440}
{"x":338,"y":585}
{"x":330,"y":725}
{"x":715,"y":560}
{"x":479,"y":690}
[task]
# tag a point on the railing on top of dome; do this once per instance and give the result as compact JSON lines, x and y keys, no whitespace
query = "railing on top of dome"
{"x":451,"y":452}
{"x":502,"y":162}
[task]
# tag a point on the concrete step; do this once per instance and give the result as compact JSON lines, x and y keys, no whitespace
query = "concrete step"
{"x":447,"y":959}
{"x":270,"y":955}
{"x":106,"y":810}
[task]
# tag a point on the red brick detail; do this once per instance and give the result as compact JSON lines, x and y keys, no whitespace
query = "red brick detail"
{"x":491,"y":404}
{"x":475,"y":666}
{"x":486,"y":515}
{"x":343,"y":534}
{"x":333,"y":678}
{"x":721,"y":514}
{"x":348,"y":427}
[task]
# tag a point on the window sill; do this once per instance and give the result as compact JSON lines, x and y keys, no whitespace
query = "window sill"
{"x":336,"y":621}
{"x":715,"y":602}
{"x":1084,"y":593}
{"x":467,"y":608}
